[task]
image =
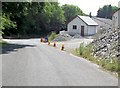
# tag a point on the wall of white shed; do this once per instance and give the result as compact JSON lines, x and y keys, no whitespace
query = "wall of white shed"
{"x":92,"y":30}
{"x":79,"y":23}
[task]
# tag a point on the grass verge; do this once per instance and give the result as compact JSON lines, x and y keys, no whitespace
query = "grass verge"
{"x":2,"y":43}
{"x":110,"y":64}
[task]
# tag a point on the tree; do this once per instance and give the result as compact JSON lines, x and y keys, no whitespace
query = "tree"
{"x":36,"y":18}
{"x":114,"y":9}
{"x":57,"y":18}
{"x":71,"y":11}
{"x":109,"y":12}
{"x":6,"y":23}
{"x":106,"y":11}
{"x":51,"y":18}
{"x":30,"y":24}
{"x":16,"y":12}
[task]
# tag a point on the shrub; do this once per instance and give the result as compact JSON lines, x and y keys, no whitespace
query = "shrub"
{"x":81,"y":49}
{"x":52,"y":36}
{"x":2,"y":42}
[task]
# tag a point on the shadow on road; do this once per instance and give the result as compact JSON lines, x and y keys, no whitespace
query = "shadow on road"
{"x":6,"y":49}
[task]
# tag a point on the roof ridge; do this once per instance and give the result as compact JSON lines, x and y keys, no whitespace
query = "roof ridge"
{"x":85,"y":19}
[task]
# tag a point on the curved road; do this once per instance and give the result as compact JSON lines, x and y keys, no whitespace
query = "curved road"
{"x":30,"y":63}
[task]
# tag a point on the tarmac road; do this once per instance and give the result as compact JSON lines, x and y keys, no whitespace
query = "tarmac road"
{"x":31,"y":63}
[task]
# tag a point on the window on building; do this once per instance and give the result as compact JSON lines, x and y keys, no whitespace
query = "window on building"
{"x":74,"y":26}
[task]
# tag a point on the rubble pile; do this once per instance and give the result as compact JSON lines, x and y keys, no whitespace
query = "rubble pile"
{"x":66,"y":37}
{"x":62,"y":37}
{"x":107,"y":45}
{"x":77,"y":36}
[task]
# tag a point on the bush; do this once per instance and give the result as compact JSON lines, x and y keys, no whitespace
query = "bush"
{"x":81,"y":49}
{"x":52,"y":36}
{"x":112,"y":66}
{"x":2,"y":43}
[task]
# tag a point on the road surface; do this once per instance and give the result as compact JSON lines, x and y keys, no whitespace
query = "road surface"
{"x":31,"y":63}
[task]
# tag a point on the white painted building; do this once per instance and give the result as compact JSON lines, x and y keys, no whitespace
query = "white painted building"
{"x":119,"y":4}
{"x":116,"y":19}
{"x":82,"y":25}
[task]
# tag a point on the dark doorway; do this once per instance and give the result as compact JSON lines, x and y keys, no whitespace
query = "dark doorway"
{"x":82,"y":30}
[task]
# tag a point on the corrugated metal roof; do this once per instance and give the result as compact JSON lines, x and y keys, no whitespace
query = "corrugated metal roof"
{"x":88,"y":20}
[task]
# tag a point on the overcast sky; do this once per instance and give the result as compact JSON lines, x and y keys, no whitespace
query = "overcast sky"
{"x":88,"y":6}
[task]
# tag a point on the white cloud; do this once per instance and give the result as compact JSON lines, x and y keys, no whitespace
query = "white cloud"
{"x":89,"y":5}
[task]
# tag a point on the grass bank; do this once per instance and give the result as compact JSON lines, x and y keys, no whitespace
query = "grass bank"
{"x":110,"y":64}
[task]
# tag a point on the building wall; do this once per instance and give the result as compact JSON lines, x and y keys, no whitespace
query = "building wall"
{"x":92,"y":30}
{"x":77,"y":22}
{"x":88,"y":30}
{"x":115,"y":20}
{"x":119,"y":15}
{"x":119,"y":4}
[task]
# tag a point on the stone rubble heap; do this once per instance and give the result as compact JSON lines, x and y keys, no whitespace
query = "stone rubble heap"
{"x":62,"y":37}
{"x":107,"y":44}
{"x":78,"y":36}
{"x":66,"y":37}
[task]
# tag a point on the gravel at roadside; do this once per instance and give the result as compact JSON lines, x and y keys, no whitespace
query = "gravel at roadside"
{"x":73,"y":43}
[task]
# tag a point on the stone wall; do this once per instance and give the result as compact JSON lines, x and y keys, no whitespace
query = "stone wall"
{"x":106,"y":45}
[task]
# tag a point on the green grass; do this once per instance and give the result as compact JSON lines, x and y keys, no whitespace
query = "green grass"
{"x":52,"y":36}
{"x":2,"y":43}
{"x":110,"y":64}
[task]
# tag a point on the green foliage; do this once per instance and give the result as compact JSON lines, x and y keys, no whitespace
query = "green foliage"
{"x":52,"y":36}
{"x":81,"y":49}
{"x":106,"y":11}
{"x":52,"y":17}
{"x":16,"y":12}
{"x":71,"y":11}
{"x":114,"y":9}
{"x":34,"y":17}
{"x":7,"y":23}
{"x":112,"y":67}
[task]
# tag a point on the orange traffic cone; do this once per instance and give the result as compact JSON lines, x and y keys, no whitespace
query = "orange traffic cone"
{"x":41,"y":40}
{"x":48,"y":43}
{"x":54,"y":45}
{"x":62,"y":48}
